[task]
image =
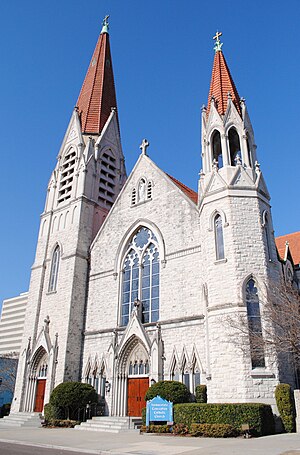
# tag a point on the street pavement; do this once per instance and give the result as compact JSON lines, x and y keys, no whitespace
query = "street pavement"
{"x":69,"y":441}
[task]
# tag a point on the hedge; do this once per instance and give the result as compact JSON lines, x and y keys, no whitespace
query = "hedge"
{"x":173,"y":391}
{"x":201,"y":393}
{"x":258,"y":416}
{"x":214,"y":430}
{"x":286,"y":407}
{"x":197,"y":430}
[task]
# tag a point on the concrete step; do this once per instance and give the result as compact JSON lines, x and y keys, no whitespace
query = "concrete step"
{"x":22,"y":420}
{"x":111,"y":424}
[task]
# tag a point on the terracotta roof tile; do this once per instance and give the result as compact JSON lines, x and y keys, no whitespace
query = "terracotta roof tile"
{"x":294,"y":245}
{"x":221,"y":84}
{"x":97,"y":95}
{"x":188,"y":191}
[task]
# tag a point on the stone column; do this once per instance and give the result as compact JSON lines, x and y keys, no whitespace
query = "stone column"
{"x":297,"y":406}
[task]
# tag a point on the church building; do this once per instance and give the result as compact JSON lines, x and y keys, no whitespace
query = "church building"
{"x":134,"y":276}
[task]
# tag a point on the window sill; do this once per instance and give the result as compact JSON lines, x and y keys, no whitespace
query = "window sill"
{"x":51,"y":292}
{"x":220,"y":261}
{"x":141,"y":202}
{"x":262,"y":373}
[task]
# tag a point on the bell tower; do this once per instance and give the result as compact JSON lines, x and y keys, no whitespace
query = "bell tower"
{"x":87,"y":178}
{"x":237,"y":239}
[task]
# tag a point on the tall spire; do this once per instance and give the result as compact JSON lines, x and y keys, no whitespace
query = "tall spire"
{"x":98,"y":96}
{"x":222,"y":86}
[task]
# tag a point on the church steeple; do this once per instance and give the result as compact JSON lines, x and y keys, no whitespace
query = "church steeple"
{"x":227,"y":134}
{"x":222,"y":86}
{"x":98,"y":96}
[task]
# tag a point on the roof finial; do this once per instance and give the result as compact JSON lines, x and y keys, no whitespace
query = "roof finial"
{"x":105,"y":25}
{"x":144,"y":145}
{"x":218,"y":45}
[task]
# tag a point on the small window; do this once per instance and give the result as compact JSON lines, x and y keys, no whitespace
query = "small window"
{"x":149,"y":190}
{"x":234,"y":147}
{"x":133,"y":197}
{"x":217,"y":149}
{"x":54,"y":269}
{"x":254,"y":325}
{"x":267,"y":237}
{"x":219,"y":240}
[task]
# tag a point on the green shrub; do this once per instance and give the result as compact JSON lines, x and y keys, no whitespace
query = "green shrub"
{"x":286,"y":407}
{"x":169,"y":390}
{"x":62,"y":423}
{"x":53,"y":412}
{"x":258,"y":416}
{"x":144,"y":416}
{"x":201,"y":394}
{"x":156,"y":429}
{"x":5,"y":409}
{"x":180,"y":428}
{"x":71,"y":396}
{"x":214,"y":430}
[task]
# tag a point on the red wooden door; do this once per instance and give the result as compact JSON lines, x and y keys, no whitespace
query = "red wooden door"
{"x":40,"y":393}
{"x":137,"y":388}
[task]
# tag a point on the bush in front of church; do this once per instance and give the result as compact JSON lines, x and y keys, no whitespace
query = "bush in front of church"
{"x":258,"y":416}
{"x":201,"y":393}
{"x":173,"y":391}
{"x":70,"y":397}
{"x":286,"y":406}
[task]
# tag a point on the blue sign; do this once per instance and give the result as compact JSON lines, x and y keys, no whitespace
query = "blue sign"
{"x":159,"y":410}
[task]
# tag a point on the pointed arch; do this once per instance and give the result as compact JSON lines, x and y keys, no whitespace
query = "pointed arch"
{"x":219,"y":237}
{"x":141,"y":222}
{"x":234,"y":146}
{"x":196,"y":370}
{"x":174,"y":366}
{"x":66,"y":219}
{"x":252,"y":303}
{"x":216,"y":148}
{"x":67,"y":171}
{"x":267,"y":233}
{"x":55,"y":262}
{"x":140,"y":275}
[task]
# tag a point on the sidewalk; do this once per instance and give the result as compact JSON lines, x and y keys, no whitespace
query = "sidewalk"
{"x":132,"y":443}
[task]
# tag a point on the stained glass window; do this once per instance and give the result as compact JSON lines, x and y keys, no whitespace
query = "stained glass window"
{"x":54,"y":270}
{"x":141,"y":276}
{"x":219,"y":238}
{"x":254,"y":324}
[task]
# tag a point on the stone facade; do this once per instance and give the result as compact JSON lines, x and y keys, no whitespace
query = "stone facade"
{"x":206,"y":252}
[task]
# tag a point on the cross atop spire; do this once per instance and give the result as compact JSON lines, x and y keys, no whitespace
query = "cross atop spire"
{"x":105,"y":25}
{"x":218,"y":44}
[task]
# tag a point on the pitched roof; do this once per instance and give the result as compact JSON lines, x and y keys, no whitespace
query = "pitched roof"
{"x":188,"y":191}
{"x":97,"y":96}
{"x":294,"y":246}
{"x":221,"y":84}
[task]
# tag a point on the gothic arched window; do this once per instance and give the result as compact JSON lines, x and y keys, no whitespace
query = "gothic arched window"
{"x":54,"y":269}
{"x":217,"y":148}
{"x":195,"y":375}
{"x":234,"y":147}
{"x":67,"y":175}
{"x":267,"y":235}
{"x":254,"y":325}
{"x":141,"y":276}
{"x":219,"y":239}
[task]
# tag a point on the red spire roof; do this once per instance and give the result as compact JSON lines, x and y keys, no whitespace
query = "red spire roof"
{"x":97,"y":95}
{"x":221,"y":84}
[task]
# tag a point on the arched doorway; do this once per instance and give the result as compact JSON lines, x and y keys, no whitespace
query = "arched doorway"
{"x":36,"y":384}
{"x":133,"y":379}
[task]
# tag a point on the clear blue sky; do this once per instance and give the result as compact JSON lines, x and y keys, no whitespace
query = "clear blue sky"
{"x":162,"y":56}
